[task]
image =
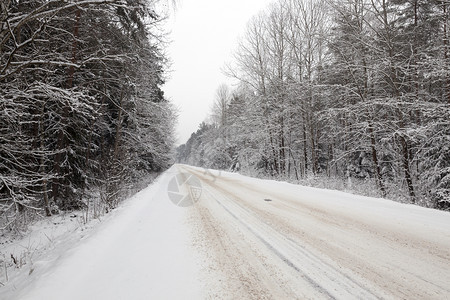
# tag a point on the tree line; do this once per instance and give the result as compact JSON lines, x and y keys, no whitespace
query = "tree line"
{"x":350,"y":89}
{"x":81,"y":105}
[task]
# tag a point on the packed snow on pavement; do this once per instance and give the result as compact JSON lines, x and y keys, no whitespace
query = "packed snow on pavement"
{"x":202,"y":234}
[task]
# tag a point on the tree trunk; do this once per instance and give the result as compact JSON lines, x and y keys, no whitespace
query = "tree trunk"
{"x":61,"y":144}
{"x":118,"y":127}
{"x":313,"y":150}
{"x":42,"y":170}
{"x":406,"y":169}
{"x":376,"y":164}
{"x":282,"y":148}
{"x":305,"y":150}
{"x":445,"y":42}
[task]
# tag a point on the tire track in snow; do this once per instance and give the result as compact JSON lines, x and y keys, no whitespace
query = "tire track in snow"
{"x":401,"y":255}
{"x":323,"y":277}
{"x":274,"y":250}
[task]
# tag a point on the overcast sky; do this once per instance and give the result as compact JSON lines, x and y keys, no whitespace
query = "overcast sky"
{"x":204,"y":34}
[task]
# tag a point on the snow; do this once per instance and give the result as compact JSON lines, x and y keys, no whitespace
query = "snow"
{"x":346,"y":246}
{"x":411,"y":218}
{"x":140,"y":251}
{"x":233,"y":244}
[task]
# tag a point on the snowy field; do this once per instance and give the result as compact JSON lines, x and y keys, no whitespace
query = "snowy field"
{"x":202,"y":234}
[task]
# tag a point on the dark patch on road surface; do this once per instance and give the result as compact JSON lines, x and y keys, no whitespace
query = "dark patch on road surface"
{"x":267,"y":199}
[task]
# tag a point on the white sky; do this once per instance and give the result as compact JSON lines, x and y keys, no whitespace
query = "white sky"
{"x":204,"y":34}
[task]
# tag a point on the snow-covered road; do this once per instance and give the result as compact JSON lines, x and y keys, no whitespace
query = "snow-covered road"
{"x":198,"y":234}
{"x":280,"y":241}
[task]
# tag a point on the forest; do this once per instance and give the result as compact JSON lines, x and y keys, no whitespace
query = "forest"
{"x":82,"y":113}
{"x":355,"y":91}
